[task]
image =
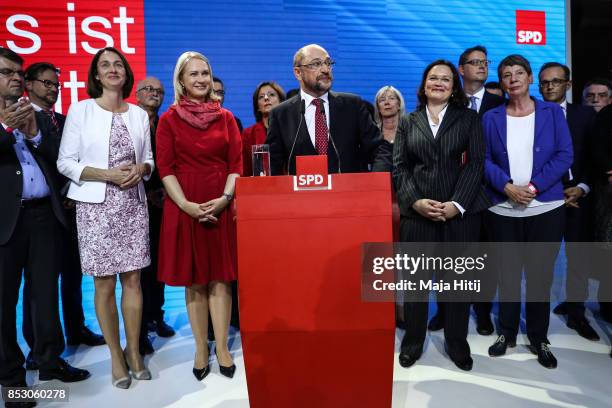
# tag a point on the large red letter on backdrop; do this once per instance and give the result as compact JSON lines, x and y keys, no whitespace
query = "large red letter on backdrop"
{"x":68,"y":33}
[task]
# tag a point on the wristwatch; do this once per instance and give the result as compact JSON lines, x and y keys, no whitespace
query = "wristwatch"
{"x":228,"y":197}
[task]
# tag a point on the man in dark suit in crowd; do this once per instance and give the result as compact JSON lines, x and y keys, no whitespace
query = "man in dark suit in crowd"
{"x":319,"y":121}
{"x":219,"y":88}
{"x":42,"y":85}
{"x":150,"y":95}
{"x":474,"y":70}
{"x":597,"y":93}
{"x":555,"y":81}
{"x":31,"y":218}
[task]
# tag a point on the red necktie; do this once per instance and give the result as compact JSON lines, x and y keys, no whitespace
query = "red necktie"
{"x":53,"y":119}
{"x":321,"y":133}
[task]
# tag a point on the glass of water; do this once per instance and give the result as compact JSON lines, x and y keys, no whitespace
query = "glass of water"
{"x":261,"y":160}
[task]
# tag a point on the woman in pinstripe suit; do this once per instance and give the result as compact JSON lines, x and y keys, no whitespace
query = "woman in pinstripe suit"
{"x":439,"y":164}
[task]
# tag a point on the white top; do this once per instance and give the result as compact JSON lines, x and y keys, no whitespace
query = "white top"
{"x":433,"y":125}
{"x":85,"y":142}
{"x":519,"y":141}
{"x":478,"y":95}
{"x":309,"y":113}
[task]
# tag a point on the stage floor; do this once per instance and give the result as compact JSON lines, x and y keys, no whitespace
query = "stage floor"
{"x":582,"y":378}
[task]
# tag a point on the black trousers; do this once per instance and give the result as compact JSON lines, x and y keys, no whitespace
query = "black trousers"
{"x":456,"y":315}
{"x":537,"y":261}
{"x":152,"y":289}
{"x":576,"y":232}
{"x":33,"y":251}
{"x":71,"y":278}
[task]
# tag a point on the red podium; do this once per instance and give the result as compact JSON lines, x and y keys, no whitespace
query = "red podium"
{"x":308,"y":339}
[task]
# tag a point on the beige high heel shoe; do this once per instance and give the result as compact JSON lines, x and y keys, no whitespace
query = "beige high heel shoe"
{"x":144,"y":374}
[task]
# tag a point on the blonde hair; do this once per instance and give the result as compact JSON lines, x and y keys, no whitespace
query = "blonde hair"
{"x":380,"y":93}
{"x":179,"y":90}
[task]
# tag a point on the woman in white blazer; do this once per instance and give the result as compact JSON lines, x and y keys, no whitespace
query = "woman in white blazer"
{"x":106,"y":153}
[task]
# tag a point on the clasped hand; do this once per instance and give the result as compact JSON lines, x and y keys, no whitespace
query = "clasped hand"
{"x":206,"y":212}
{"x":519,"y":194}
{"x":127,"y":175}
{"x":435,"y":210}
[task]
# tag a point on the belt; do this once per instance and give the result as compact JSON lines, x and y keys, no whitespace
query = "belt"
{"x":35,"y":202}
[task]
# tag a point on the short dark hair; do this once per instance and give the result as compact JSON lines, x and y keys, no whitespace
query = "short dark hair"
{"x":598,"y":81}
{"x":11,"y":55}
{"x":279,"y":90}
{"x":36,"y":69}
{"x":511,"y":60}
{"x":457,"y":97}
{"x":464,"y":55}
{"x":554,"y":64}
{"x":94,"y":86}
{"x":217,"y":79}
{"x":493,"y":85}
{"x":292,"y":92}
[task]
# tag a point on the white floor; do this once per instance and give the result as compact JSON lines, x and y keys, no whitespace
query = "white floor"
{"x":516,"y":380}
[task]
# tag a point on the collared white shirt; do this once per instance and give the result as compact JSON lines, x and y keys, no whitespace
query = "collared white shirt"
{"x":311,"y":109}
{"x":583,"y":186}
{"x":478,"y":95}
{"x":433,"y":125}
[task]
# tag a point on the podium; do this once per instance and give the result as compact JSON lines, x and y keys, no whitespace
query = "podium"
{"x":308,"y":339}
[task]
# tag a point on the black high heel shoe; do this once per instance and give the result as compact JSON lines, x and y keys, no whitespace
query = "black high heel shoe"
{"x":226,"y":371}
{"x":201,"y":373}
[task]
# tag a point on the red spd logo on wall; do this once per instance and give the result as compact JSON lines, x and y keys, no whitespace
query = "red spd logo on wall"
{"x":68,"y":34}
{"x":530,"y":27}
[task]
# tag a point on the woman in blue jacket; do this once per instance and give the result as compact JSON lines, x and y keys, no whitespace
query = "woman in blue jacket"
{"x":529,"y":150}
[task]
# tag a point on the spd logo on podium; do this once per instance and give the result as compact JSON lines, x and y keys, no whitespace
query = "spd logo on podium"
{"x":311,"y":173}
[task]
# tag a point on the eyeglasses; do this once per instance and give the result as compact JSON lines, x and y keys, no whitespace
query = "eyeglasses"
{"x":49,"y":84}
{"x":556,"y":82}
{"x":479,"y":62}
{"x":316,"y":65}
{"x":7,"y":72}
{"x":150,"y":89}
{"x":268,"y":95}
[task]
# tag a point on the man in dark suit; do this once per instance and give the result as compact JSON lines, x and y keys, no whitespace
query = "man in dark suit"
{"x":319,"y":121}
{"x":150,"y":95}
{"x":42,"y":85}
{"x":474,"y":70}
{"x":554,"y":83}
{"x":31,"y":218}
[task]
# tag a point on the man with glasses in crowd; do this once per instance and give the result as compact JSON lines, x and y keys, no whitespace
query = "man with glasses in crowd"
{"x":43,"y":88}
{"x":31,"y":219}
{"x":320,"y":121}
{"x":554,"y":83}
{"x":219,"y":89}
{"x":150,"y":95}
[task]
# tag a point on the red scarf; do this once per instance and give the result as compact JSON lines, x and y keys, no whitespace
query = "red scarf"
{"x":198,"y":114}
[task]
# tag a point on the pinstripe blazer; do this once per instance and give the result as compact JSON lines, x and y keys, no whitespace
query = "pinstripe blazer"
{"x":449,"y":167}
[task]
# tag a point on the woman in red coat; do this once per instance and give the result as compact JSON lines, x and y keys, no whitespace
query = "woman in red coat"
{"x":266,"y":96}
{"x":200,"y":156}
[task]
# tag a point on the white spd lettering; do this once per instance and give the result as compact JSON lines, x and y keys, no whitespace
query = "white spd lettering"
{"x":529,"y":37}
{"x":310,"y":180}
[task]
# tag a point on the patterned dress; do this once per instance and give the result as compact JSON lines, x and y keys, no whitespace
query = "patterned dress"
{"x":114,"y":234}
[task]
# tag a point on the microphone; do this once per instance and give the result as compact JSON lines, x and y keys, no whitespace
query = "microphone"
{"x":297,"y":132}
{"x":331,"y":139}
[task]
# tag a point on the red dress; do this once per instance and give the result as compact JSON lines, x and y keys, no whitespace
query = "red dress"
{"x":190,"y":252}
{"x":253,"y":135}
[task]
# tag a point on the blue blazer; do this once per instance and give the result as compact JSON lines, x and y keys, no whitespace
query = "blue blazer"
{"x":552,"y":152}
